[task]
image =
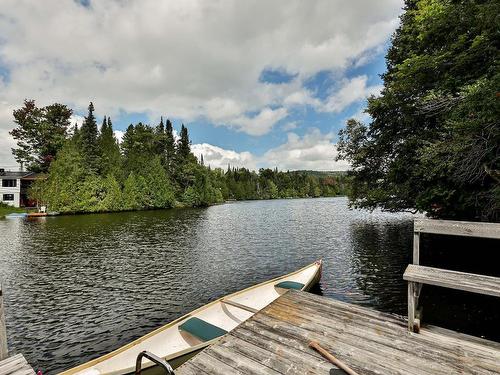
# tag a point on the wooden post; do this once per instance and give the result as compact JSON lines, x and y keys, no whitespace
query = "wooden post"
{"x":411,"y":306}
{"x":414,"y":315}
{"x":416,"y":247}
{"x":4,"y":352}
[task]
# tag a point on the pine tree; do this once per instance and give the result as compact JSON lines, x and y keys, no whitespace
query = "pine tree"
{"x":170,"y":146}
{"x":161,"y":143}
{"x":88,"y":140}
{"x":75,"y":136}
{"x":109,"y":150}
{"x":183,"y":145}
{"x":161,"y":127}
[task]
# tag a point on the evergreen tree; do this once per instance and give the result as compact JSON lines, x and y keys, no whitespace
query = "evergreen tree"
{"x":170,"y":146}
{"x":67,"y":175}
{"x":87,"y":141}
{"x":183,"y":145}
{"x":113,"y":197}
{"x":138,"y":146}
{"x":109,"y":150}
{"x":161,"y":142}
{"x":131,"y":197}
{"x":75,"y":136}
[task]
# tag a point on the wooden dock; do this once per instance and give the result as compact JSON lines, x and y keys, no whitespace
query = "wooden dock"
{"x":275,"y":341}
{"x":16,"y":365}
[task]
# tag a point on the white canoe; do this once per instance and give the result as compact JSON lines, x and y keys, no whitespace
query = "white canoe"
{"x":186,"y":336}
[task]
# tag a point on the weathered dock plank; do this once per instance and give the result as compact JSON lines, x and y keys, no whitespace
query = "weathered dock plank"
{"x":16,"y":365}
{"x":275,"y":341}
{"x":458,"y":228}
{"x":468,"y":282}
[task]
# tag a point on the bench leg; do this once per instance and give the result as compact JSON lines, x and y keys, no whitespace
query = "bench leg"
{"x":413,"y":294}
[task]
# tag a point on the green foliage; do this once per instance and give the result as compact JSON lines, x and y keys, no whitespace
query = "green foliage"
{"x":138,"y":145}
{"x":156,"y":191}
{"x":433,"y":143}
{"x":170,"y":147}
{"x":149,"y":170}
{"x":183,"y":145}
{"x":63,"y":189}
{"x":88,"y":140}
{"x":132,"y":192}
{"x":271,"y":184}
{"x":108,"y":150}
{"x":40,"y":134}
{"x":113,"y":197}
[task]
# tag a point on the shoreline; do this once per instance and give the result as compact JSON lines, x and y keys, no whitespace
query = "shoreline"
{"x":178,"y":205}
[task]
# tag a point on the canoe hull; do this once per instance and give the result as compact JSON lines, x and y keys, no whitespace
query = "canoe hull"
{"x":178,"y":361}
{"x":215,"y":312}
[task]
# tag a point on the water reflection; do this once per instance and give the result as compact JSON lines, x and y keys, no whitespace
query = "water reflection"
{"x":381,"y":252}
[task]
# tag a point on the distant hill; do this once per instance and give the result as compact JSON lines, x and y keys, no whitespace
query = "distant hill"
{"x":324,"y":173}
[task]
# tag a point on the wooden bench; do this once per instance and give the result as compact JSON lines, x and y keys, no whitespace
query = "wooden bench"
{"x":418,"y":275}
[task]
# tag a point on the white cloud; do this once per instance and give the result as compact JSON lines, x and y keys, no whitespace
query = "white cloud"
{"x":119,"y":135}
{"x":6,"y":140}
{"x":261,"y":123}
{"x":189,"y":59}
{"x":313,"y":151}
{"x":361,"y":116}
{"x":301,"y":97}
{"x":218,"y":157}
{"x":6,"y":144}
{"x":350,"y":92}
{"x":290,"y":126}
{"x":76,"y":120}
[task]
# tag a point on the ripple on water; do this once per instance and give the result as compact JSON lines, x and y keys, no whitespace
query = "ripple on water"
{"x":80,"y":286}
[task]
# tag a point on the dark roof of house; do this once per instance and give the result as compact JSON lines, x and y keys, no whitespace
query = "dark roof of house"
{"x":34,"y":176}
{"x":16,"y":174}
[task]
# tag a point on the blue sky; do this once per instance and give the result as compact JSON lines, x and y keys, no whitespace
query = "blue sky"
{"x":259,"y":84}
{"x":203,"y":131}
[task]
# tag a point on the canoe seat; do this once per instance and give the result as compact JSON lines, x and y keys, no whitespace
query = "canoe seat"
{"x":290,"y":285}
{"x":201,"y":329}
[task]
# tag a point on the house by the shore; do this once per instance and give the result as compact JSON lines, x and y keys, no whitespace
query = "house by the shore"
{"x":14,"y":187}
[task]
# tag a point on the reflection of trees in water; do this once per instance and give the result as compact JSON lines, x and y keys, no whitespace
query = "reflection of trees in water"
{"x":381,"y":251}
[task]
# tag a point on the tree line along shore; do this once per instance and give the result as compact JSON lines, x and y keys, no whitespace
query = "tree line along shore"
{"x":86,"y":169}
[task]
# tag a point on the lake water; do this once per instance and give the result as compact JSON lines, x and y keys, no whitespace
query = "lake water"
{"x":79,"y":286}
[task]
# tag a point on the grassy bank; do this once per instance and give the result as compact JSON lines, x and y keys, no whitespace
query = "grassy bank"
{"x":6,"y":209}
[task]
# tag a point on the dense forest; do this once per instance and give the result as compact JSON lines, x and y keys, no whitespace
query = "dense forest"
{"x":433,"y":144}
{"x":88,"y":170}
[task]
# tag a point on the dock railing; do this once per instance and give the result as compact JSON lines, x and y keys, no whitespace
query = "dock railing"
{"x":417,"y":275}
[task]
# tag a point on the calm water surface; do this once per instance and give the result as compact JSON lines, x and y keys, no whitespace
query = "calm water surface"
{"x":79,"y":286}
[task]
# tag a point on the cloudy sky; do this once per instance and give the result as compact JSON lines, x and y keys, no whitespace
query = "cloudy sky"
{"x":258,"y":83}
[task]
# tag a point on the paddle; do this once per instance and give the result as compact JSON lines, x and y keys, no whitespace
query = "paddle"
{"x":316,"y":346}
